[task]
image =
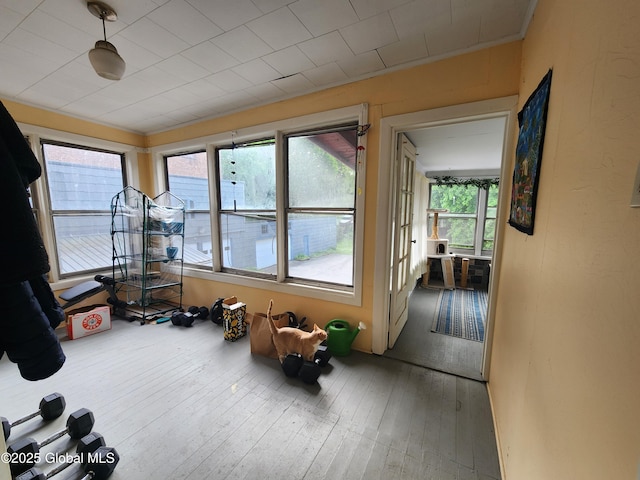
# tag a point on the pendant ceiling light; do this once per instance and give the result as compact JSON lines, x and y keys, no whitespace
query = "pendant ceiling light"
{"x":104,"y":57}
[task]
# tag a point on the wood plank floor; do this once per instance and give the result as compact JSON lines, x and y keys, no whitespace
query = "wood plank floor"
{"x":182,"y":403}
{"x":418,"y":345}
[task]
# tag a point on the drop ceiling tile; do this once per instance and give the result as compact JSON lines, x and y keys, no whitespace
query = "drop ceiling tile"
{"x":326,"y":48}
{"x":77,"y":15}
{"x":369,"y":34}
{"x":49,"y":28}
{"x":362,"y":64}
{"x":9,"y":20}
{"x":293,"y":84}
{"x":404,"y":51}
{"x":235,"y":101}
{"x":499,"y":23}
{"x":256,"y":71}
{"x":229,"y":81}
{"x":227,"y":15}
{"x":211,"y":57}
{"x":324,"y":16}
{"x":183,"y":68}
{"x":267,"y":6}
{"x":371,"y":8}
{"x":181,"y":97}
{"x":327,"y":74}
{"x":460,"y":35}
{"x":242,"y":44}
{"x":95,"y":105}
{"x":185,"y":22}
{"x":203,"y":89}
{"x":23,"y":7}
{"x":265,"y":91}
{"x":136,"y":57}
{"x":279,"y":29}
{"x":154,"y":38}
{"x":37,"y":49}
{"x":289,"y":61}
{"x":419,"y":16}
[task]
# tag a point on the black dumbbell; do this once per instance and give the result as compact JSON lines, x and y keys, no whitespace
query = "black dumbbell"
{"x":310,"y":371}
{"x":79,"y":424}
{"x":87,"y":445}
{"x":51,"y":407}
{"x":176,"y":318}
{"x":187,"y":318}
{"x":196,"y":312}
{"x":291,"y":364}
{"x":100,"y":464}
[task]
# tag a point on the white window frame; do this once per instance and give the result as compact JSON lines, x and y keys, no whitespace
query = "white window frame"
{"x":277,"y":130}
{"x":40,"y":189}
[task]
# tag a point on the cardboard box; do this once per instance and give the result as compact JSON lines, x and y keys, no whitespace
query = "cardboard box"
{"x":95,"y":320}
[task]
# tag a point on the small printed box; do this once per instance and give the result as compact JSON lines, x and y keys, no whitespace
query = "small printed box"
{"x":95,"y":320}
{"x":233,"y":321}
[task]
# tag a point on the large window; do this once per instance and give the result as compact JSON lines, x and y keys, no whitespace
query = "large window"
{"x":247,"y":207}
{"x":81,"y":184}
{"x":320,"y":213}
{"x":187,"y":178}
{"x":469,"y":223}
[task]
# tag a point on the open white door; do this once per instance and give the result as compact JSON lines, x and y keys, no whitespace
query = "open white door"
{"x":402,"y":231}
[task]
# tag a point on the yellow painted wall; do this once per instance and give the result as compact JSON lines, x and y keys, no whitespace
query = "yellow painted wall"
{"x":565,"y":370}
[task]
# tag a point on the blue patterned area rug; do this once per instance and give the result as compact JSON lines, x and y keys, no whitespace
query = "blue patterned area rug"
{"x":461,"y":313}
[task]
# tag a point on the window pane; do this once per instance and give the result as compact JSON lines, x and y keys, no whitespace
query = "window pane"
{"x":489,"y":234}
{"x":455,"y":198}
{"x":321,"y":170}
{"x":249,"y":241}
{"x":321,"y":247}
{"x":197,"y":239}
{"x":247,"y":177}
{"x":81,"y":179}
{"x":83,"y":242}
{"x":188,"y":179}
{"x":459,"y":231}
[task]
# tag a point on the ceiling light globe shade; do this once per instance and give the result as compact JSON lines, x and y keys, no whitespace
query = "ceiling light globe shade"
{"x":105,"y":60}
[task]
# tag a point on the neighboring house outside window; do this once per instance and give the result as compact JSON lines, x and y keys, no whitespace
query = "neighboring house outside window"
{"x":187,"y":178}
{"x":81,"y":183}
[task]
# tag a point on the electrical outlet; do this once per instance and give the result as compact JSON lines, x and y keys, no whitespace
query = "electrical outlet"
{"x":635,"y":195}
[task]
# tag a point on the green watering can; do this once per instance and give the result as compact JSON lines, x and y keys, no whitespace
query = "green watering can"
{"x":340,"y":336}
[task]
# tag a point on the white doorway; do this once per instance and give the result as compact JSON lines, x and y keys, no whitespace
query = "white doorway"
{"x":391,"y":128}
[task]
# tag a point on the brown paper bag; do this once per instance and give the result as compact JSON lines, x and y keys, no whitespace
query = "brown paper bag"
{"x":260,"y":333}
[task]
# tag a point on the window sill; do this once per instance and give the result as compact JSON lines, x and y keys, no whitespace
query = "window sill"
{"x":328,"y":294}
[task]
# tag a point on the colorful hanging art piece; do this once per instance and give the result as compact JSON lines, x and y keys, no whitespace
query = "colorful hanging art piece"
{"x":532,"y":121}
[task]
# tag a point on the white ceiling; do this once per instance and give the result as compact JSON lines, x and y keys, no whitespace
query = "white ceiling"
{"x":189,"y":60}
{"x":467,"y":148}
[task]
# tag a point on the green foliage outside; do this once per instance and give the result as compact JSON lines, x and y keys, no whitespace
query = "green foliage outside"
{"x":254,"y":167}
{"x":317,"y":178}
{"x":458,"y":225}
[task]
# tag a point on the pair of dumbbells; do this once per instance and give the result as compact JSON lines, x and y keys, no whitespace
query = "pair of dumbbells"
{"x":50,"y":408}
{"x":186,"y":319}
{"x":96,"y":460}
{"x":23,"y":453}
{"x":295,"y":366}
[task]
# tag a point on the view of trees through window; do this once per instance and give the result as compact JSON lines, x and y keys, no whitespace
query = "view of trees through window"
{"x":469,"y":208}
